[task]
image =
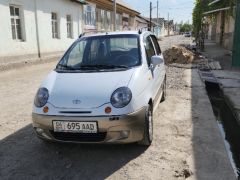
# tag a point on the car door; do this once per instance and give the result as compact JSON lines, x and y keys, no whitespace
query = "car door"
{"x":155,"y":72}
{"x":161,"y":67}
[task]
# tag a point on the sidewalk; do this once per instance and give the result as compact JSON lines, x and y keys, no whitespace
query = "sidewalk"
{"x":13,"y":63}
{"x":228,"y":77}
{"x":218,"y":53}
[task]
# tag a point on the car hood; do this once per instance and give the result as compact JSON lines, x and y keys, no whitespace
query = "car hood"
{"x":84,"y":90}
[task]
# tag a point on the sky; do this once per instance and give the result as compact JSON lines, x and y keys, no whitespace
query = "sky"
{"x":179,"y":10}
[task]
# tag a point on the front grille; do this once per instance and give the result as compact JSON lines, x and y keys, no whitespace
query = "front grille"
{"x":79,"y":137}
{"x":76,"y":112}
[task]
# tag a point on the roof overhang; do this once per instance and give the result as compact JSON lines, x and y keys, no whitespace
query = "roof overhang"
{"x":216,"y":10}
{"x":213,"y":2}
{"x":108,"y":5}
{"x":79,"y":1}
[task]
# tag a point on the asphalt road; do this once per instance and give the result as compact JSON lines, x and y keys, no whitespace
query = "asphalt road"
{"x":171,"y":156}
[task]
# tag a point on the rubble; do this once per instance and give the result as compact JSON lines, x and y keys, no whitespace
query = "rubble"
{"x":184,"y":57}
{"x":180,"y":55}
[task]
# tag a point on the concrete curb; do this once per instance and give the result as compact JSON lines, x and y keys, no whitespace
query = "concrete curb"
{"x":28,"y":62}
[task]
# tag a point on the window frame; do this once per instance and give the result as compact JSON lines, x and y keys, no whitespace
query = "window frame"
{"x":149,"y":58}
{"x":118,"y":21}
{"x":92,"y":12}
{"x":55,"y":26}
{"x":154,"y":44}
{"x":17,"y":34}
{"x":108,"y":20}
{"x":86,"y":53}
{"x":69,"y":24}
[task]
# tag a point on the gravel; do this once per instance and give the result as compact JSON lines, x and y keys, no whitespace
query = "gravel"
{"x":175,"y":78}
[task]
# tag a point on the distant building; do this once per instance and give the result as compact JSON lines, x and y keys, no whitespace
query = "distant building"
{"x":160,"y":27}
{"x":98,"y":16}
{"x":141,"y":23}
{"x":168,"y":27}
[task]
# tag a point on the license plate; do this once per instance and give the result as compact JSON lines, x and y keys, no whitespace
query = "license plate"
{"x":75,"y":126}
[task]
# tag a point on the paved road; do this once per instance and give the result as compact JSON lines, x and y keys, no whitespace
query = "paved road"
{"x":174,"y":154}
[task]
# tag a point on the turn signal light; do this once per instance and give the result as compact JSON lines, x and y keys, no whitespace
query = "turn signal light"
{"x":108,"y":110}
{"x":45,"y":109}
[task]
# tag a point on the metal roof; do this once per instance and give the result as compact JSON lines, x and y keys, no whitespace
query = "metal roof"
{"x":215,"y":1}
{"x":217,"y":10}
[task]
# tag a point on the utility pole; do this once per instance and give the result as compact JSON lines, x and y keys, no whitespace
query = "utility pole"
{"x":157,"y":12}
{"x":236,"y":43}
{"x":150,"y":28}
{"x":114,"y":15}
{"x":168,"y":24}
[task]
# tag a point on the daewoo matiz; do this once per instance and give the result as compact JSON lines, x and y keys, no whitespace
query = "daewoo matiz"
{"x":103,"y":90}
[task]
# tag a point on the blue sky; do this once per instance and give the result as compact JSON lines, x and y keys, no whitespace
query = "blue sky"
{"x":179,"y":10}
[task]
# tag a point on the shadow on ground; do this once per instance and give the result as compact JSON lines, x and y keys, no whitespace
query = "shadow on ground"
{"x":24,"y":156}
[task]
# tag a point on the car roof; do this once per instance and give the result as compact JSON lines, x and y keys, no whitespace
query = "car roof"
{"x":94,"y":34}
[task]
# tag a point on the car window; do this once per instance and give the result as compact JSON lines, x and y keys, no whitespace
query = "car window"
{"x":76,"y":54}
{"x":107,"y":50}
{"x":123,"y":44}
{"x":156,"y":45}
{"x":149,"y":49}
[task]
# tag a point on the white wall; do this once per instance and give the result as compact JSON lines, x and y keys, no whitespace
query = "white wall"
{"x":48,"y":45}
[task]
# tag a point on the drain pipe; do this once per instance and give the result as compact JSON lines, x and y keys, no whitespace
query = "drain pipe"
{"x":37,"y":32}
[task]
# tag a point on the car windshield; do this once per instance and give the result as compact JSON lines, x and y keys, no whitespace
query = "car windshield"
{"x":102,"y":52}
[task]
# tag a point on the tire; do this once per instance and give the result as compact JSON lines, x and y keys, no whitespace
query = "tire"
{"x":148,"y":128}
{"x":164,"y":90}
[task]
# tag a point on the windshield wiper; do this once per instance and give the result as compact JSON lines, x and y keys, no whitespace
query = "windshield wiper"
{"x":102,"y":66}
{"x":65,"y":66}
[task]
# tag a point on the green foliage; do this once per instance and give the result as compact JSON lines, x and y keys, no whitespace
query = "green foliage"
{"x":185,"y":27}
{"x":201,"y":6}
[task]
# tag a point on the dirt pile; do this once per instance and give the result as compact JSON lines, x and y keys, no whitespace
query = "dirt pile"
{"x":179,"y":54}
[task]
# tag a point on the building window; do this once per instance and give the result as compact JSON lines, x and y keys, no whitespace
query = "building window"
{"x":89,"y":15}
{"x":102,"y":19}
{"x":55,"y":32}
{"x":108,"y":18}
{"x":16,"y":22}
{"x":69,"y":27}
{"x":118,"y":21}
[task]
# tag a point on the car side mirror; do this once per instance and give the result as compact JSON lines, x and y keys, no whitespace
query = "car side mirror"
{"x":156,"y":60}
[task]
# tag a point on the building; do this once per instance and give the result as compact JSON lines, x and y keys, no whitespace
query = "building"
{"x":33,"y":29}
{"x":38,"y":28}
{"x":160,"y":27}
{"x":98,"y":16}
{"x":168,"y":27}
{"x":141,"y":23}
{"x":219,"y":25}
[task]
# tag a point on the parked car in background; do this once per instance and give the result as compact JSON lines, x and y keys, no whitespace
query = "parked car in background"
{"x":187,"y":34}
{"x":104,"y":90}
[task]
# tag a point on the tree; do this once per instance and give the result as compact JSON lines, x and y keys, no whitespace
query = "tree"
{"x":185,"y":27}
{"x":197,"y":17}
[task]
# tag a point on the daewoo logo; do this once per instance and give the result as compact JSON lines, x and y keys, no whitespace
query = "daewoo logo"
{"x":76,"y":101}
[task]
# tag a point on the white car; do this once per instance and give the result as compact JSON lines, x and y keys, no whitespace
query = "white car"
{"x":103,"y":90}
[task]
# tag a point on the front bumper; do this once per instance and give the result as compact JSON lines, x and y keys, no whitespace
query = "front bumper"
{"x":111,"y":129}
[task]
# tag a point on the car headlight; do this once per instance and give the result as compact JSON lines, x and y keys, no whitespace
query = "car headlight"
{"x":121,"y":97}
{"x":41,"y":97}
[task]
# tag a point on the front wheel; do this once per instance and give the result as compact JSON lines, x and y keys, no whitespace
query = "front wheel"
{"x":148,"y":128}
